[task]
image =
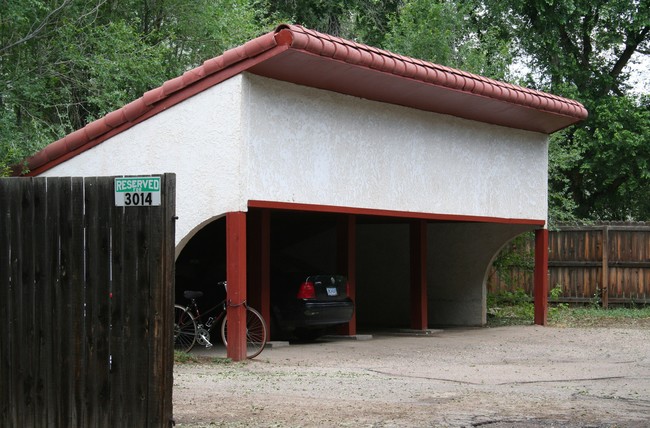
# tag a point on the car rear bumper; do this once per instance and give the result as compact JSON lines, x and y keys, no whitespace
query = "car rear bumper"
{"x":316,"y":314}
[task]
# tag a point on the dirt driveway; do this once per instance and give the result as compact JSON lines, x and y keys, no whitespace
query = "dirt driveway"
{"x":523,"y":376}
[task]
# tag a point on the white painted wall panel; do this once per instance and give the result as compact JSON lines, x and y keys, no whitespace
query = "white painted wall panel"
{"x":317,"y":147}
{"x":199,"y":139}
{"x":256,"y":138}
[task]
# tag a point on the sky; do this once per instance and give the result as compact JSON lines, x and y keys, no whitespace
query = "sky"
{"x":640,"y":73}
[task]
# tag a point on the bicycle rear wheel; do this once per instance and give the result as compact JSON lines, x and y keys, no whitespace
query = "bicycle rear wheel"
{"x":256,"y":332}
{"x":184,"y":329}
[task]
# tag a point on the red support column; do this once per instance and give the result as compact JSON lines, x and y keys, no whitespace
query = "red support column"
{"x":541,"y":276}
{"x":418,"y":243}
{"x":236,"y":276}
{"x":347,"y":264}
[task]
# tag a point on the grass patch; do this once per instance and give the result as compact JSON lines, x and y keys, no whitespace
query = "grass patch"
{"x":637,"y":317}
{"x":510,"y":308}
{"x":220,"y":360}
{"x":181,"y":357}
{"x":517,"y":308}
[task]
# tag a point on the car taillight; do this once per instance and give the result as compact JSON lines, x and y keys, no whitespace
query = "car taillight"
{"x":306,"y":291}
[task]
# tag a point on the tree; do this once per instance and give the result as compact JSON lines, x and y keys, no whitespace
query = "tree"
{"x":450,"y":33}
{"x":66,"y":63}
{"x":612,"y":176}
{"x":366,"y":21}
{"x":581,"y":49}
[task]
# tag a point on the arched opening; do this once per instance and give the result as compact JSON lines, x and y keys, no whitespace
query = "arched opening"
{"x":201,"y":263}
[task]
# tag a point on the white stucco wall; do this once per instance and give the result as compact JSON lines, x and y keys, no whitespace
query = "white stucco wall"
{"x":199,"y":139}
{"x":255,"y":138}
{"x":318,"y":147}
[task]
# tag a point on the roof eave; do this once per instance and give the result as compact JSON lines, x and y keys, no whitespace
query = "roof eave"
{"x":297,"y":55}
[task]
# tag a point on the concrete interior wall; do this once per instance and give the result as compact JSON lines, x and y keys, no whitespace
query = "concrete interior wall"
{"x":459,"y":255}
{"x":383,"y":276}
{"x":458,"y":258}
{"x":304,"y":241}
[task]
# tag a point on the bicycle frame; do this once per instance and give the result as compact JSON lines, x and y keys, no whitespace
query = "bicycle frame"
{"x":204,"y":328}
{"x":191,"y":326}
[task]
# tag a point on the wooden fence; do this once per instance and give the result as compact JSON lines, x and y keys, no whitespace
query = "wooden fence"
{"x":86,"y":305}
{"x":603,"y":263}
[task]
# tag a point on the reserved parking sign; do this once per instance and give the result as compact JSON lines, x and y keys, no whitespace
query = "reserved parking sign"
{"x":137,"y":191}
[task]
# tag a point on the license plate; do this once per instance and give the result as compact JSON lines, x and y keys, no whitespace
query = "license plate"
{"x":332,"y":291}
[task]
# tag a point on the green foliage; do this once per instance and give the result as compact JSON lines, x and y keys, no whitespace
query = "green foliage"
{"x":452,"y":34}
{"x":562,"y":156}
{"x":364,"y":20}
{"x":600,"y":170}
{"x":516,"y":255}
{"x":590,"y":316}
{"x":221,"y":360}
{"x":329,"y":16}
{"x":612,"y":179}
{"x":510,"y":308}
{"x":580,"y":49}
{"x":373,"y":20}
{"x":64,"y":64}
{"x":517,"y":308}
{"x":181,"y":357}
{"x":596,"y":300}
{"x":556,"y":310}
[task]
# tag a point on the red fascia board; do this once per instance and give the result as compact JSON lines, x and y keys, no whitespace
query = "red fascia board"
{"x":335,"y":209}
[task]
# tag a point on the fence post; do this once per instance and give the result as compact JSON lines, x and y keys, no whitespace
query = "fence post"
{"x":604,"y":285}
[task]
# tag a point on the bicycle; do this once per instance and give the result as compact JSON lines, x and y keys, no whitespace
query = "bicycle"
{"x":190,"y":330}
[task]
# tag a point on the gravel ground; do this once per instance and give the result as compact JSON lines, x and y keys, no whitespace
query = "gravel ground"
{"x":521,"y":376}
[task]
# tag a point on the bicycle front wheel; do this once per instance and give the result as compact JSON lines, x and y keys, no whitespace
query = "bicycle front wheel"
{"x":256,"y":332}
{"x":184,"y":329}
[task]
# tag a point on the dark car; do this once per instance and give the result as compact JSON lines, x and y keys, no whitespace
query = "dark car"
{"x":307,"y":307}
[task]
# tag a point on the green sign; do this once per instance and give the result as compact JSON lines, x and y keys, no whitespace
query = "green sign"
{"x":137,"y":191}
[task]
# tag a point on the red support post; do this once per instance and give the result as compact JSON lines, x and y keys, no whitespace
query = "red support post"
{"x":541,"y":276}
{"x":347,"y":264}
{"x":418,"y":256}
{"x":236,"y":277}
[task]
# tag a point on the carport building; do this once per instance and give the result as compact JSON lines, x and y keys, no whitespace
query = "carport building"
{"x":404,"y":175}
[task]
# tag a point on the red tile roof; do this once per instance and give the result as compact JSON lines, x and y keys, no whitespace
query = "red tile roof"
{"x":295,"y":54}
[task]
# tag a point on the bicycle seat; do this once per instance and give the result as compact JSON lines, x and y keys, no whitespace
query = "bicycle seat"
{"x":192,"y":294}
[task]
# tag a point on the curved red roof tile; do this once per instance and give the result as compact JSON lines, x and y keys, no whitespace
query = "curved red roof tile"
{"x":339,"y":65}
{"x":449,"y":77}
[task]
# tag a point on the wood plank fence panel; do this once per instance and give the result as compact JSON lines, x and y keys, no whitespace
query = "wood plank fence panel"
{"x":5,"y":296}
{"x":607,"y":263}
{"x":86,"y":305}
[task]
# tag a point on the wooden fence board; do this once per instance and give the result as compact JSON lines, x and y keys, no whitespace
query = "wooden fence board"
{"x":5,"y":296}
{"x":51,"y":279}
{"x":16,"y":302}
{"x":610,"y":262}
{"x":86,"y":305}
